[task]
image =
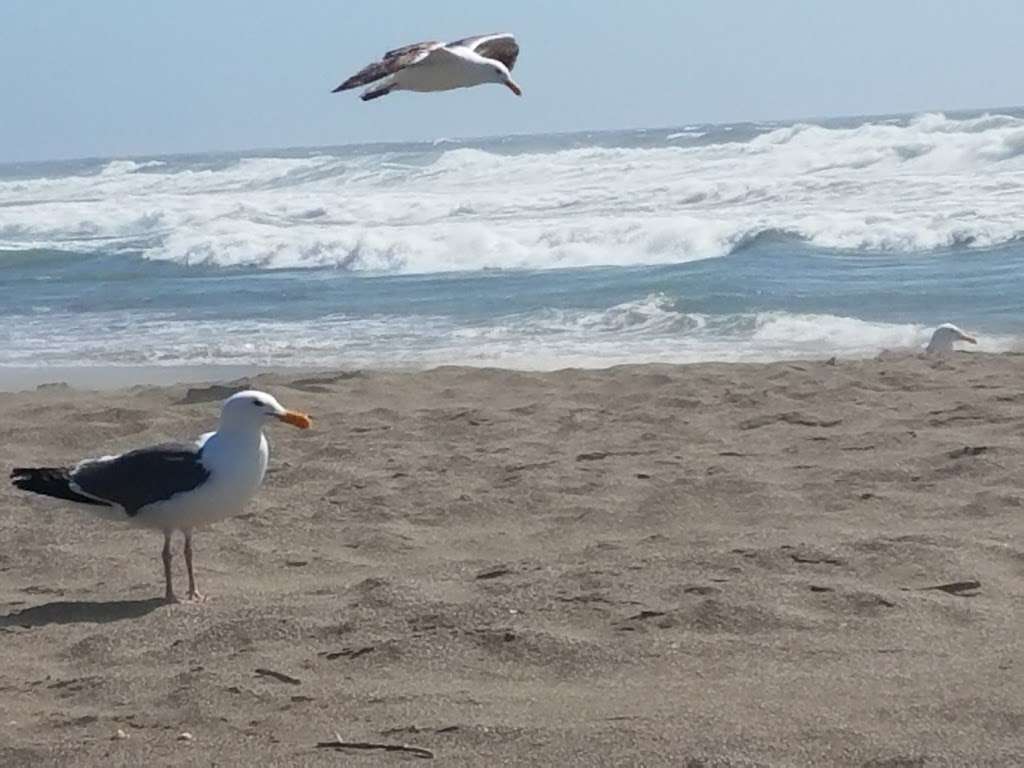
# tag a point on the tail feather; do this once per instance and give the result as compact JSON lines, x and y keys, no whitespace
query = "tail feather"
{"x":50,"y":481}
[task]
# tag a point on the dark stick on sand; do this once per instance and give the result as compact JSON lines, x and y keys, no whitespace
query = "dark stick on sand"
{"x":959,"y":588}
{"x":278,"y":676}
{"x":340,"y":743}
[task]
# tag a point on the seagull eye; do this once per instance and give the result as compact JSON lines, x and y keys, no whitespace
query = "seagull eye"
{"x":258,"y":403}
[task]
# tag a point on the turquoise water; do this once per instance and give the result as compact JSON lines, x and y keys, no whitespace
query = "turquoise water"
{"x":751,"y":242}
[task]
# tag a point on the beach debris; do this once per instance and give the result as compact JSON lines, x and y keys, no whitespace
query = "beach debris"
{"x":968,"y":588}
{"x":632,"y":623}
{"x":593,"y":597}
{"x":599,"y":455}
{"x":645,"y":614}
{"x":493,"y":573}
{"x":186,"y":736}
{"x":350,"y":653}
{"x":340,"y":744}
{"x":791,"y":417}
{"x":812,"y":560}
{"x":120,"y":734}
{"x":968,"y":450}
{"x":280,"y":676}
{"x":858,"y":448}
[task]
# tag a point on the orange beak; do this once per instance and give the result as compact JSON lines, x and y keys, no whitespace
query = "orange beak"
{"x":296,"y":419}
{"x":514,"y":88}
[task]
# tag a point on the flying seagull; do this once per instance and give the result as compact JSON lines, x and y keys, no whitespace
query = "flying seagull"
{"x":174,"y":486}
{"x":434,"y":66}
{"x":944,"y":336}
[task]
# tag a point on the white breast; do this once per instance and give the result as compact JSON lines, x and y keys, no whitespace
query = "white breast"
{"x":236,"y":468}
{"x":443,"y":70}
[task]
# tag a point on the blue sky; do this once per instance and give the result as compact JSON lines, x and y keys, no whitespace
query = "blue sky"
{"x":123,"y":77}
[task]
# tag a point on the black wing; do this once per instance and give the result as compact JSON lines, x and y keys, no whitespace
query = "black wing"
{"x":391,"y":63}
{"x":501,"y":47}
{"x":145,"y":476}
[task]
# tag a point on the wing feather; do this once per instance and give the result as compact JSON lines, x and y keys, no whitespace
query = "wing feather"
{"x":145,"y":476}
{"x":392,"y":61}
{"x":500,"y":47}
{"x":425,"y":46}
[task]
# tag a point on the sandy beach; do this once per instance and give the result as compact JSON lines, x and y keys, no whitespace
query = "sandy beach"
{"x":788,"y":564}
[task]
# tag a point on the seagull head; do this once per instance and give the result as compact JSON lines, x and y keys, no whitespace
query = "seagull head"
{"x":252,"y":409}
{"x":944,"y":336}
{"x":500,"y":74}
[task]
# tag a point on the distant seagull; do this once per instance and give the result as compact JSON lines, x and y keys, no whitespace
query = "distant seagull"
{"x":436,"y":66}
{"x":944,"y":336}
{"x":174,"y":486}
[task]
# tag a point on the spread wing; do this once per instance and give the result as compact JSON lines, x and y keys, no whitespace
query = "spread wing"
{"x":138,"y":478}
{"x":501,"y":47}
{"x":393,"y":61}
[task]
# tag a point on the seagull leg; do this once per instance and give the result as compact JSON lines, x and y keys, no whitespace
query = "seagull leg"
{"x":169,"y":595}
{"x":193,"y":593}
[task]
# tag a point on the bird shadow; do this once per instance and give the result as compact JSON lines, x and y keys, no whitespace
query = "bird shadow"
{"x":81,"y":612}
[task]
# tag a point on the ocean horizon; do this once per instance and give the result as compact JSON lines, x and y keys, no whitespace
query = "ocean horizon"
{"x":738,"y":242}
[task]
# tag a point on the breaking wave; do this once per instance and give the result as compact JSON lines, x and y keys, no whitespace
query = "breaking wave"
{"x":927,"y":183}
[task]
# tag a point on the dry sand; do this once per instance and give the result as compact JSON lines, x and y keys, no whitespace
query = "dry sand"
{"x":711,"y":565}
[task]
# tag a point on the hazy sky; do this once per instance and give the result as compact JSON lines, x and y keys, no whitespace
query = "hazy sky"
{"x":125,"y":77}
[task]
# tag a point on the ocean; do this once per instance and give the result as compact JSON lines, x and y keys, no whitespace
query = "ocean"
{"x":751,"y":241}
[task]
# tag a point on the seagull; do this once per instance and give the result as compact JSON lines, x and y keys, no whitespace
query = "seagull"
{"x":433,"y":66}
{"x":174,"y":486}
{"x":944,"y":336}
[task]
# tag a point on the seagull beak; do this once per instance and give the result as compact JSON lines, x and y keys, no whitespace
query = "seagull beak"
{"x":512,"y":86}
{"x":969,"y":339}
{"x":296,"y":419}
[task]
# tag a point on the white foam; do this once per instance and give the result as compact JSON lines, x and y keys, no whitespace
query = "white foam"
{"x":931,"y":183}
{"x":121,"y":167}
{"x":650,"y":329}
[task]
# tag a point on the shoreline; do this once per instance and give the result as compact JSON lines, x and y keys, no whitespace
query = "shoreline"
{"x":109,"y":378}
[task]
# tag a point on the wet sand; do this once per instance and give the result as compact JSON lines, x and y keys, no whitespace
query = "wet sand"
{"x":792,"y":564}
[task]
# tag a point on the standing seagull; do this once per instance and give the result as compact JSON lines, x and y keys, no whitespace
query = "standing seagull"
{"x":436,"y":66}
{"x":174,"y":486}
